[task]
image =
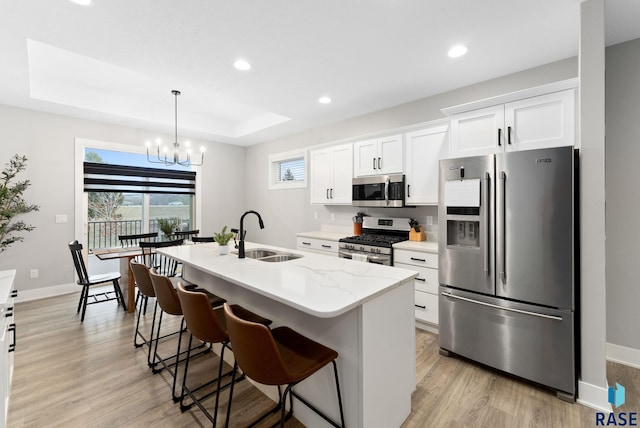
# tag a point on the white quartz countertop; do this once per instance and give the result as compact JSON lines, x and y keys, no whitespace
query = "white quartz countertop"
{"x":6,"y":284}
{"x":329,"y":236}
{"x":421,"y":246}
{"x":322,"y":286}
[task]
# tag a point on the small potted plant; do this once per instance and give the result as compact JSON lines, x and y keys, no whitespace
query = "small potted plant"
{"x":168,"y":226}
{"x":223,"y":239}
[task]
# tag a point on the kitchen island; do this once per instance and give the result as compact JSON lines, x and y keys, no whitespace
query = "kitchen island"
{"x":362,"y":310}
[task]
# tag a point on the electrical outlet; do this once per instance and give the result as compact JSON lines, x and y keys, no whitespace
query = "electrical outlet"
{"x":61,"y":218}
{"x":33,"y":273}
{"x":429,"y":220}
{"x":315,"y":215}
{"x":333,"y":216}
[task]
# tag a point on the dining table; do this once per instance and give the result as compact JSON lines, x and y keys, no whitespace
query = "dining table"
{"x":125,"y":254}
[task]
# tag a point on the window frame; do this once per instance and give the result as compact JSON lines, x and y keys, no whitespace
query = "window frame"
{"x":275,"y":160}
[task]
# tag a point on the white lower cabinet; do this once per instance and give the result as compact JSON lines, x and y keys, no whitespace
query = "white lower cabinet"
{"x":426,"y":283}
{"x":7,"y":340}
{"x":319,"y":246}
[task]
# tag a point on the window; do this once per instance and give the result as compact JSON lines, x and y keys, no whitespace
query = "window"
{"x":288,"y":170}
{"x":124,"y":198}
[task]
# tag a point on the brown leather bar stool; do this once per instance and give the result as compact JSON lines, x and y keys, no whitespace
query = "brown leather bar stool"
{"x":167,"y":299}
{"x":208,"y":325}
{"x":145,"y":290}
{"x":278,"y":357}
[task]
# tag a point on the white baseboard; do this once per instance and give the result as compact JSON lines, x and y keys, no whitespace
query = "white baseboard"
{"x":622,"y":355}
{"x":593,"y":396}
{"x":426,"y":326}
{"x":44,"y":292}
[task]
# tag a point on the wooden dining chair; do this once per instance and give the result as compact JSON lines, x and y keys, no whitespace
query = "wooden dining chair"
{"x":163,"y":265}
{"x":135,"y":239}
{"x":87,"y":282}
{"x":187,"y":235}
{"x":199,"y":239}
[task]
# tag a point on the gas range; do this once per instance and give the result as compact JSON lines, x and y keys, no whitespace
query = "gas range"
{"x":378,"y":236}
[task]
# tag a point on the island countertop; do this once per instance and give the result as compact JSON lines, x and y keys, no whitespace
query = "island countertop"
{"x":316,"y":284}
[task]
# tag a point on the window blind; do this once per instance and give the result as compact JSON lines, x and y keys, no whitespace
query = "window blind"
{"x":288,"y":170}
{"x":101,"y":177}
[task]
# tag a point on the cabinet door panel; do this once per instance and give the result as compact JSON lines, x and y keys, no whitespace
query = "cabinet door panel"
{"x":476,"y":132}
{"x":365,"y":158}
{"x":391,"y":155}
{"x":424,"y":150}
{"x":541,"y":122}
{"x":320,"y":176}
{"x":342,"y":175}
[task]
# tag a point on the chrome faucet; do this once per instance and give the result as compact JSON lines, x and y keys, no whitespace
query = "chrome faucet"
{"x":243,"y":232}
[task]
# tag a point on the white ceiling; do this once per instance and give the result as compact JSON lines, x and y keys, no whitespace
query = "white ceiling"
{"x":118,"y":60}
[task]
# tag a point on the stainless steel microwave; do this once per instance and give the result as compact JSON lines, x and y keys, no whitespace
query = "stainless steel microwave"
{"x":378,"y":191}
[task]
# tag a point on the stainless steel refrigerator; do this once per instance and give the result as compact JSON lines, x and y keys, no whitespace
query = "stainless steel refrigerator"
{"x":507,"y":295}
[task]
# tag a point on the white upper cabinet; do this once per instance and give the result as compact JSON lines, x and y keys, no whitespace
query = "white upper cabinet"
{"x":477,"y":132}
{"x":384,"y":155}
{"x":424,"y":149}
{"x":539,"y":122}
{"x":331,"y":175}
{"x":531,"y":119}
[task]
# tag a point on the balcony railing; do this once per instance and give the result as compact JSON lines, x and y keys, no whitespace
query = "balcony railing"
{"x":104,"y":234}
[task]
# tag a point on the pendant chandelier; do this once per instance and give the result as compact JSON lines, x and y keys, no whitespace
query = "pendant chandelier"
{"x":167,"y":156}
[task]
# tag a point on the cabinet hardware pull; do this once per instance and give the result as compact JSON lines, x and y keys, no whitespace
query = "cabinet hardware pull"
{"x":12,"y":329}
{"x":306,"y":243}
{"x":14,"y":293}
{"x":9,"y":312}
{"x":374,"y":163}
{"x":420,"y":306}
{"x":508,"y":135}
{"x":421,"y":279}
{"x":418,"y":260}
{"x":379,"y":163}
{"x":327,"y":193}
{"x":499,"y":136}
{"x":408,"y":190}
{"x":331,"y":193}
{"x":326,"y":246}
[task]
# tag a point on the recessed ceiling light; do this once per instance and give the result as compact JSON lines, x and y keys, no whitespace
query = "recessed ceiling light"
{"x":324,"y":100}
{"x":242,"y":65}
{"x":82,"y":2}
{"x":457,"y":51}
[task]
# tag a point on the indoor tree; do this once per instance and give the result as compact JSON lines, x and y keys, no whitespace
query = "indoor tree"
{"x":12,"y":203}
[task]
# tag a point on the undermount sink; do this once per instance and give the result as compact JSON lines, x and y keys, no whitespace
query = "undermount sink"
{"x":265,"y":255}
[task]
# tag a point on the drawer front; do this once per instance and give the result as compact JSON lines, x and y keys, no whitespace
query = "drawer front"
{"x":415,"y":258}
{"x":427,"y":279}
{"x":426,"y":307}
{"x":317,"y":244}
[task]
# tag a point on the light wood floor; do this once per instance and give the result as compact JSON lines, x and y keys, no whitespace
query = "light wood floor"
{"x":69,"y":374}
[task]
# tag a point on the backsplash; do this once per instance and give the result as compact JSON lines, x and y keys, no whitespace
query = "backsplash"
{"x":340,"y":218}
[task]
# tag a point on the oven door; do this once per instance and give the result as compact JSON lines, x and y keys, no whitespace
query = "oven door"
{"x":380,"y":259}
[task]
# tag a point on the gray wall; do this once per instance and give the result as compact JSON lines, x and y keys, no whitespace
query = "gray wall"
{"x":622,"y":183}
{"x":48,"y":142}
{"x":280,"y":230}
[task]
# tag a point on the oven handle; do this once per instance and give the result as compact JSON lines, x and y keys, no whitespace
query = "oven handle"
{"x":371,"y":258}
{"x":387,"y":182}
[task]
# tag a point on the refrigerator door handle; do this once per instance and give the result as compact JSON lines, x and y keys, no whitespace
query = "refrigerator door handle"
{"x":502,"y":253}
{"x":520,"y":311}
{"x":488,"y":223}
